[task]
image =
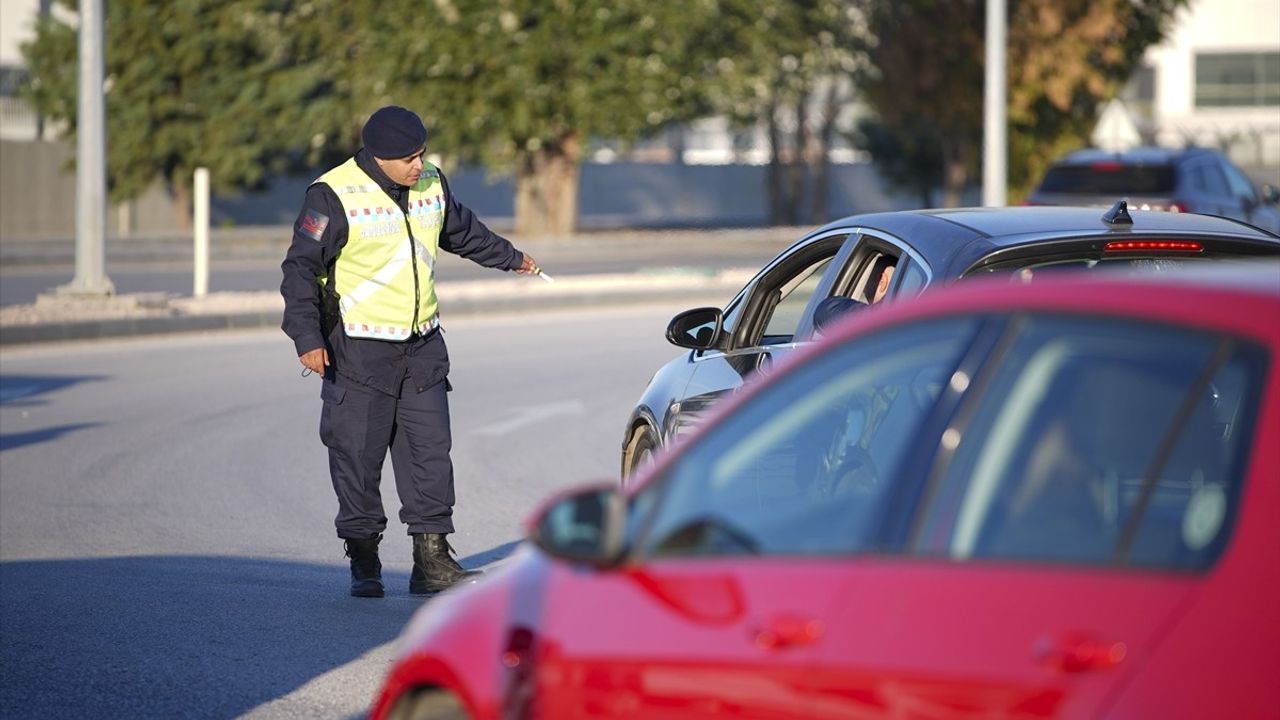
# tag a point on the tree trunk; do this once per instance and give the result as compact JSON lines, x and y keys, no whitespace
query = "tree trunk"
{"x":773,"y":179}
{"x":796,"y":165}
{"x":182,"y":204}
{"x":819,"y":160}
{"x":547,"y":189}
{"x":955,"y":178}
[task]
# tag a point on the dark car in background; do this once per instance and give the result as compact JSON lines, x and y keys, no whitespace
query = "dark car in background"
{"x":1196,"y":180}
{"x":776,"y":311}
{"x":1076,"y":518}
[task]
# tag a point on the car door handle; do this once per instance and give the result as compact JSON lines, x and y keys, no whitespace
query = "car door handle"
{"x":1075,"y":653}
{"x":787,"y":631}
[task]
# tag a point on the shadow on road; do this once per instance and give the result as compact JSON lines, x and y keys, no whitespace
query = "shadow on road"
{"x":15,"y":440}
{"x":178,"y":636}
{"x":23,"y":389}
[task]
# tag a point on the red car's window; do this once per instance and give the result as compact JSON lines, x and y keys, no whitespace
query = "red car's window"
{"x":1101,"y":442}
{"x":801,"y":468}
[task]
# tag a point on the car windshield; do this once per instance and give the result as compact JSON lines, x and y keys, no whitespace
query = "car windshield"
{"x":1109,"y":179}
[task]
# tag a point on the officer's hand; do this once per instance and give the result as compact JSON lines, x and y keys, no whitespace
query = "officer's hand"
{"x":315,"y":360}
{"x":528,"y":266}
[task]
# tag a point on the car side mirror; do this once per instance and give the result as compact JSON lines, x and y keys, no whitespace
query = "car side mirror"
{"x":582,"y":526}
{"x":698,"y":328}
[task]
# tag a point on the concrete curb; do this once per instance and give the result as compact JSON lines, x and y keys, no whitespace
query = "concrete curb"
{"x":238,"y":311}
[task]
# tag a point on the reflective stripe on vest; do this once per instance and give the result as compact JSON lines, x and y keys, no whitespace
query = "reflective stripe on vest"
{"x":374,"y":274}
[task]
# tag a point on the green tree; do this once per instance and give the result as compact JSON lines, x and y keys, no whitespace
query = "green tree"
{"x":522,"y":85}
{"x":189,"y":83}
{"x":786,"y":65}
{"x":1065,"y":58}
{"x":907,"y":155}
{"x":926,"y":64}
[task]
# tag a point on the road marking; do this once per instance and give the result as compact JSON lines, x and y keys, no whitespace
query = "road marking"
{"x":532,"y":414}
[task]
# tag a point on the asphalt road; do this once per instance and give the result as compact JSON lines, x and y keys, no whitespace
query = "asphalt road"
{"x":166,"y":538}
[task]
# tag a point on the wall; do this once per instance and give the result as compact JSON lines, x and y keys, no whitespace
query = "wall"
{"x":612,"y":195}
{"x":38,"y":197}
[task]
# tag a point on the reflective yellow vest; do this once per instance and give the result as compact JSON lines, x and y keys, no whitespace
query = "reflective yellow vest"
{"x":389,"y":260}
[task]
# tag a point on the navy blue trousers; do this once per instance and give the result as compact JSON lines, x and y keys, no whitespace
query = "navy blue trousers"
{"x":359,"y":425}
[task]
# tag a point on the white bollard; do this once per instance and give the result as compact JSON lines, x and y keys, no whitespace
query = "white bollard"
{"x":201,"y":223}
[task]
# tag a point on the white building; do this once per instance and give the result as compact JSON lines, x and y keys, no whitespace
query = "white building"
{"x":1215,"y":81}
{"x":17,"y":25}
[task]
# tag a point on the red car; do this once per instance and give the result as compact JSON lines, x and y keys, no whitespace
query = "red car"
{"x":1054,"y":499}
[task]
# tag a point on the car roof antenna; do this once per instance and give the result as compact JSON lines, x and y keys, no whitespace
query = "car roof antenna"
{"x":1118,"y":214}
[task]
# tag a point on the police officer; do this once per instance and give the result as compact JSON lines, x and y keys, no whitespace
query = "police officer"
{"x":360,"y":307}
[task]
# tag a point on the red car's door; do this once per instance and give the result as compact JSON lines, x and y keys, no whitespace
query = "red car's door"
{"x":684,"y":639}
{"x":931,"y":639}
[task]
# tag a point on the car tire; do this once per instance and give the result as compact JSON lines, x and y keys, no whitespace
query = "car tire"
{"x":640,"y":450}
{"x":428,"y":704}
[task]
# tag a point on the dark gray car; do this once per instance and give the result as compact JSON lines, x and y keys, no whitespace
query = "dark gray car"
{"x":1196,"y":180}
{"x":781,"y":307}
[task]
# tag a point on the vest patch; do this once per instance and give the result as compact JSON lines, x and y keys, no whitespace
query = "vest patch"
{"x":313,"y":224}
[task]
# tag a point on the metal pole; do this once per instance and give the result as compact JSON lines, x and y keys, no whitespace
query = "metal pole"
{"x":994,"y":125}
{"x":201,"y":217}
{"x":91,"y":165}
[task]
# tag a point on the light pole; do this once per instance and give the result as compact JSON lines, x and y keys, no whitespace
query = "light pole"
{"x":91,"y":174}
{"x":994,"y":123}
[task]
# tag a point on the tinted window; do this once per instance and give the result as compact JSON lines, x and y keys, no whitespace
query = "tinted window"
{"x":1208,"y":178}
{"x":800,"y":469}
{"x":1240,"y":185}
{"x":1100,"y":442}
{"x":913,"y":281}
{"x":1109,"y":179}
{"x":1030,"y":270}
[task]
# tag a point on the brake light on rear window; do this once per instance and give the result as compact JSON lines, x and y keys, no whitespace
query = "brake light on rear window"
{"x":1153,"y":245}
{"x":1107,"y":166}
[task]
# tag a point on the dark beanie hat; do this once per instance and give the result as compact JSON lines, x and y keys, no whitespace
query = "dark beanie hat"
{"x":394,"y":132}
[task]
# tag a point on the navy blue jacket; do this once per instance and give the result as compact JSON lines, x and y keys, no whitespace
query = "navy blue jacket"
{"x":319,"y":234}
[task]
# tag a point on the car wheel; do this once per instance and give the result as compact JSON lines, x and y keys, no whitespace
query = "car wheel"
{"x":428,"y":704}
{"x":640,"y":450}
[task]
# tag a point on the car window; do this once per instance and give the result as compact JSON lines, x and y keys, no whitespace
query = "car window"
{"x":1208,"y":178}
{"x":1240,"y":185}
{"x":731,"y":315}
{"x":801,"y":467}
{"x":749,"y":310}
{"x":913,"y":280}
{"x":1109,"y":178}
{"x":1099,"y":442}
{"x":793,"y":297}
{"x":1026,"y":270}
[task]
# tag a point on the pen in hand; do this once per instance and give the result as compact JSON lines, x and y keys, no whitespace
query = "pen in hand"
{"x":538,"y":271}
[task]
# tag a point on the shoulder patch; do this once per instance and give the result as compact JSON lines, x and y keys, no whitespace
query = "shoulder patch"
{"x":313,"y":224}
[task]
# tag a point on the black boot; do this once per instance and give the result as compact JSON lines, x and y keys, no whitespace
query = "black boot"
{"x":366,"y":569}
{"x":434,"y":569}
